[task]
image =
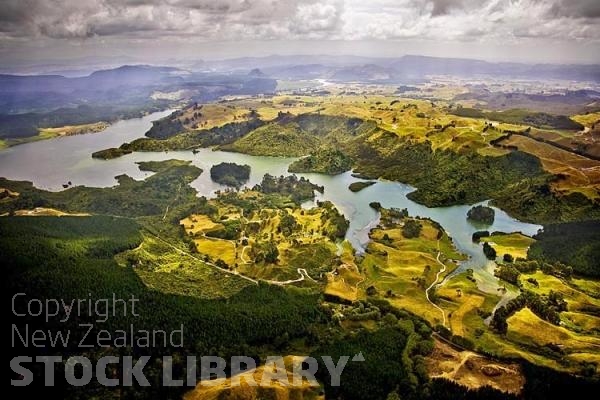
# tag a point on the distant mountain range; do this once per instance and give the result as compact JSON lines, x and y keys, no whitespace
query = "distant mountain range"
{"x":128,"y":85}
{"x":127,"y":75}
{"x":28,"y":102}
{"x":403,"y":69}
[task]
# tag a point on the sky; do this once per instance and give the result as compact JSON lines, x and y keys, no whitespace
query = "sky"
{"x":159,"y":31}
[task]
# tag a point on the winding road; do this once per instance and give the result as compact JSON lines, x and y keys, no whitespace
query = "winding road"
{"x":302,"y":273}
{"x":202,"y":261}
{"x":435,"y":282}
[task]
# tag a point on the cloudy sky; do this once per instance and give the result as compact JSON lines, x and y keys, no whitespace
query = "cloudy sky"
{"x":562,"y":31}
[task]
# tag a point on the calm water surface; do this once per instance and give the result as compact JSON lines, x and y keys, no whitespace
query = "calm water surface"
{"x":51,"y":163}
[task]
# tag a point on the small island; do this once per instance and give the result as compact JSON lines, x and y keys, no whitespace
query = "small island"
{"x":358,"y":186}
{"x":323,"y":161}
{"x":481,"y":214}
{"x":230,"y":174}
{"x":109,"y":154}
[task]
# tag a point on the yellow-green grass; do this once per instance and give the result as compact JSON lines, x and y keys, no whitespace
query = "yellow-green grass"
{"x":269,"y":113}
{"x":214,"y":115}
{"x":587,"y":285}
{"x":40,"y":136}
{"x":198,"y":223}
{"x":229,"y":213}
{"x":217,"y":249}
{"x":499,"y":346}
{"x":163,"y":268}
{"x":308,"y":232}
{"x":552,"y":134}
{"x":587,"y":119}
{"x":407,"y":266}
{"x":462,"y":301}
{"x":527,"y":336}
{"x":576,"y":299}
{"x":411,"y":118}
{"x":310,"y":221}
{"x":526,"y":328}
{"x":586,"y":358}
{"x":43,"y":211}
{"x":342,"y":287}
{"x":51,"y":133}
{"x":515,"y":244}
{"x":580,"y":174}
{"x":69,"y":130}
{"x":417,"y":120}
{"x":578,"y":335}
{"x":492,"y":151}
{"x":582,"y":322}
{"x":346,"y":253}
{"x":344,"y":282}
{"x":3,"y":144}
{"x":260,"y":383}
{"x":261,"y":226}
{"x":406,"y":292}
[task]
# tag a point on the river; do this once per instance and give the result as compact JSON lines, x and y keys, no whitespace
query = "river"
{"x":51,"y":163}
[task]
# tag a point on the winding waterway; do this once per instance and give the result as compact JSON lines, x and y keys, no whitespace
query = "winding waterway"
{"x":51,"y":163}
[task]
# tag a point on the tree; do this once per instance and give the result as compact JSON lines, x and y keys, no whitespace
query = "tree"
{"x":272,"y":253}
{"x":478,"y":235}
{"x":411,"y":229}
{"x":265,"y":251}
{"x":371,"y":291}
{"x":489,"y":251}
{"x":481,"y":214}
{"x":393,"y":396}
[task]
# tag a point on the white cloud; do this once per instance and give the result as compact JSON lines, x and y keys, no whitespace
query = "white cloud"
{"x":294,"y":19}
{"x":462,"y":21}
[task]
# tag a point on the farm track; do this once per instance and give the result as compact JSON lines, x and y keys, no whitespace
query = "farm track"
{"x":435,"y":283}
{"x":303,"y":273}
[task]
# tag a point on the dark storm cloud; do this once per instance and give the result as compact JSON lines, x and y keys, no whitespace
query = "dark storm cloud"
{"x":576,"y":8}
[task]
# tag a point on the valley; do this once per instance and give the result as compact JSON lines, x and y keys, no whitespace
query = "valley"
{"x":329,"y":220}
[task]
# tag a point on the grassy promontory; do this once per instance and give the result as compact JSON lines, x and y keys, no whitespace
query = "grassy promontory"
{"x":109,"y":154}
{"x":323,"y":161}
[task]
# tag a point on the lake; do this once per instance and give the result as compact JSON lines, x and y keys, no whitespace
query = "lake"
{"x":51,"y":163}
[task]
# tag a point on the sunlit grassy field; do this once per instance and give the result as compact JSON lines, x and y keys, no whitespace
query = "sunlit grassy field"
{"x":515,"y":244}
{"x":587,"y":119}
{"x":401,"y":268}
{"x":463,"y":301}
{"x":163,"y":268}
{"x":217,"y":249}
{"x":579,"y":174}
{"x":528,"y":329}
